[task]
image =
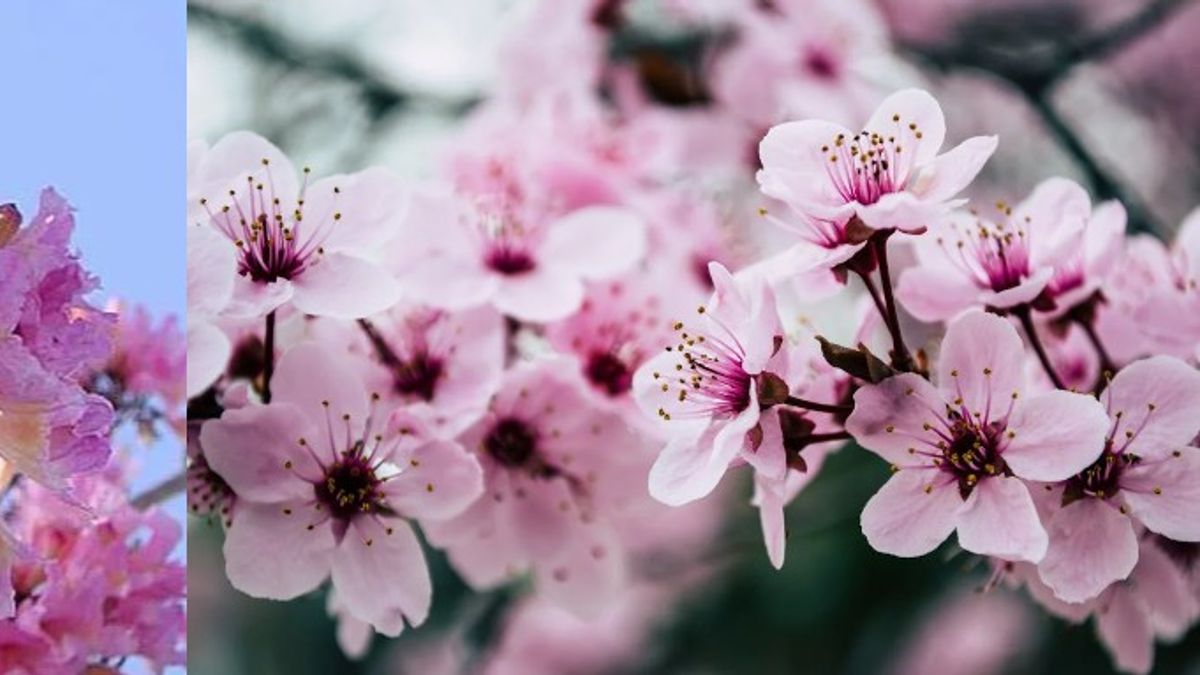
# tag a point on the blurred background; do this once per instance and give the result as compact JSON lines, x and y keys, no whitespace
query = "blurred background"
{"x":1101,"y":91}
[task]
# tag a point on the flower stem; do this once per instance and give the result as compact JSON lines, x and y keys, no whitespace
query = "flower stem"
{"x":806,"y":404}
{"x":901,"y":359}
{"x":831,"y":436}
{"x":268,"y":357}
{"x":1023,"y":315}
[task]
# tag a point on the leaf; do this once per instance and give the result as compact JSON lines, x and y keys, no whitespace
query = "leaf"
{"x":860,"y":362}
{"x":772,"y":390}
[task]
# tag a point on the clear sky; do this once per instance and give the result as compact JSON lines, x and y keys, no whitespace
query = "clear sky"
{"x":93,"y":103}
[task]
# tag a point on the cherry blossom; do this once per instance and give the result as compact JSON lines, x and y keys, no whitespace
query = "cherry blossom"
{"x":962,"y":450}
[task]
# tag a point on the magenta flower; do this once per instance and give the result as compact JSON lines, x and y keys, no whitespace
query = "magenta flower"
{"x":308,"y":244}
{"x":324,"y":490}
{"x":557,"y":470}
{"x":50,"y":337}
{"x":1026,"y":254}
{"x":963,"y":449}
{"x":703,"y":388}
{"x":527,"y":264}
{"x":887,"y":176}
{"x":1146,"y":475}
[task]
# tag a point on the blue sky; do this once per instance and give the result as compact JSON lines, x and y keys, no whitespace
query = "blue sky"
{"x":94,"y":104}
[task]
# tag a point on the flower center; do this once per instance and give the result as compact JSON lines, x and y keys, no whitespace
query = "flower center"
{"x":868,"y":165}
{"x":819,"y":63}
{"x":709,"y":378}
{"x":418,"y":376}
{"x":273,"y":241}
{"x":973,"y":453}
{"x":350,"y":486}
{"x":609,"y":373}
{"x":509,"y":260}
{"x":1103,"y":478}
{"x":995,"y":255}
{"x":511,"y":442}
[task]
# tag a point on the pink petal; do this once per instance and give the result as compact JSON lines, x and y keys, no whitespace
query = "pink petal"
{"x":323,"y":387}
{"x":379,"y":572}
{"x":794,"y":167}
{"x":952,"y":171}
{"x":586,"y":576}
{"x":889,"y":418}
{"x":690,"y":468}
{"x":1056,"y":213}
{"x":439,"y":480}
{"x":913,"y":106}
{"x":912,"y":513}
{"x":770,"y":501}
{"x":252,"y":447}
{"x":1165,"y":592}
{"x":448,"y":282}
{"x":981,"y":362}
{"x":934,"y":293}
{"x":595,"y":242}
{"x":211,"y":268}
{"x":999,"y":519}
{"x":542,"y":514}
{"x":541,"y":295}
{"x":344,"y":287}
{"x":272,"y":554}
{"x":1172,"y":387}
{"x":1055,"y":435}
{"x":1092,"y":545}
{"x":254,"y":300}
{"x":208,"y":351}
{"x":372,"y":203}
{"x":902,"y":211}
{"x":238,"y":155}
{"x":1164,"y":493}
{"x":1024,"y":292}
{"x":1125,"y":631}
{"x":650,"y":398}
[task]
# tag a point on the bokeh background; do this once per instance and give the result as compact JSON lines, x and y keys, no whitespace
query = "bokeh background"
{"x":1102,"y":91}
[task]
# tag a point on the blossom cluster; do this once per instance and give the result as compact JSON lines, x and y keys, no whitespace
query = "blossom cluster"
{"x":549,"y":357}
{"x":88,"y":579}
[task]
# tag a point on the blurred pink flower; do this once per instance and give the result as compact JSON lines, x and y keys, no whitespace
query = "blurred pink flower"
{"x":557,"y":468}
{"x":96,"y":586}
{"x":963,"y":449}
{"x":969,"y":633}
{"x":323,"y":489}
{"x":526,"y":264}
{"x":1171,"y":315}
{"x":149,"y":360}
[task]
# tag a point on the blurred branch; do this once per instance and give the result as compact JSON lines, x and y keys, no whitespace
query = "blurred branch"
{"x":161,"y":492}
{"x":1036,"y":73}
{"x":270,"y":44}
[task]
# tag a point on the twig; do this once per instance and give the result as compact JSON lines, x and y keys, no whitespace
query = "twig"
{"x":1023,"y":315}
{"x":268,"y":357}
{"x":835,"y":408}
{"x":901,"y":359}
{"x":161,"y":492}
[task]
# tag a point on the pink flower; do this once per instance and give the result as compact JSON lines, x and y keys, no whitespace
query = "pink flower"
{"x":703,"y":389}
{"x":323,"y":490}
{"x":970,"y":633}
{"x":802,"y":58}
{"x":963,"y":449}
{"x":308,"y":244}
{"x":149,"y":360}
{"x":1170,"y":317}
{"x":524,"y":263}
{"x":1146,"y":475}
{"x":557,"y":469}
{"x":887,"y":176}
{"x":50,"y":337}
{"x":96,"y":586}
{"x":442,"y":366}
{"x":1029,"y":254}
